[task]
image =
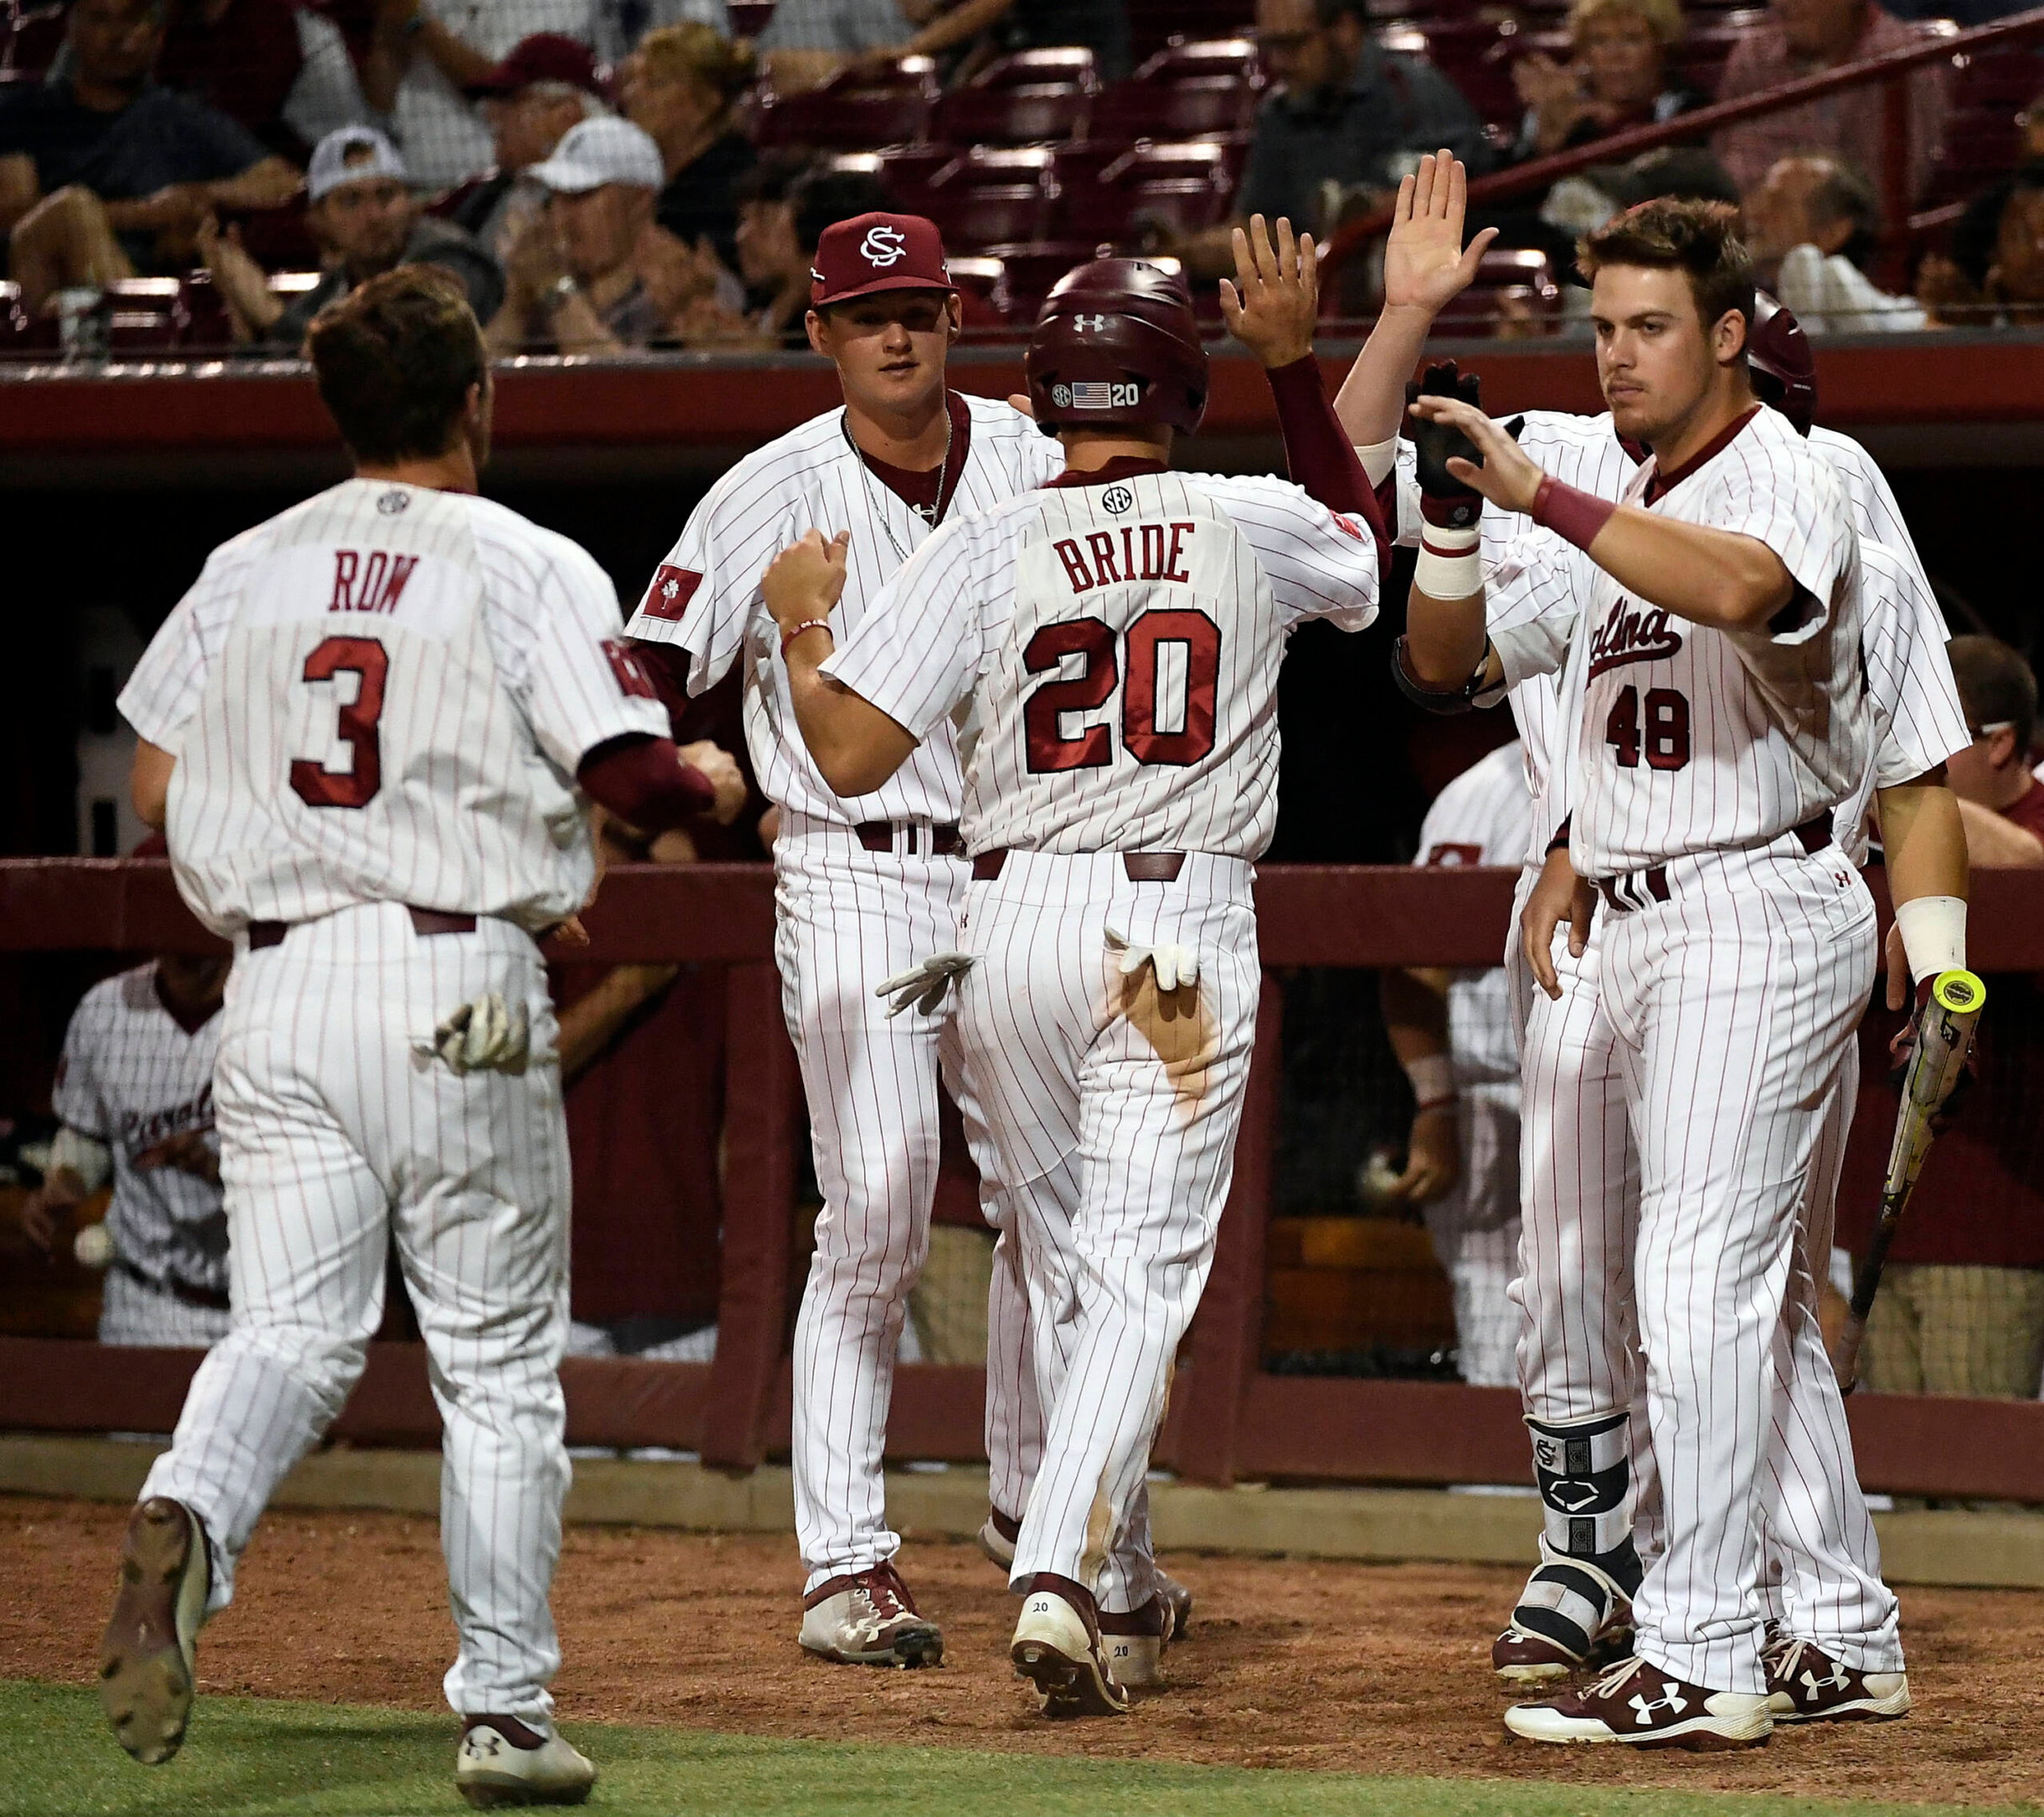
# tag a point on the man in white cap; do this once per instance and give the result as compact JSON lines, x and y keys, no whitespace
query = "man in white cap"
{"x":362,"y":209}
{"x":580,"y":272}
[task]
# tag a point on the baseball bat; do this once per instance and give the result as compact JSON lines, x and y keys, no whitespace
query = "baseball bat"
{"x":1944,"y":1034}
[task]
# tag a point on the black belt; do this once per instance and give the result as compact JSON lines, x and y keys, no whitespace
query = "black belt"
{"x":1138,"y":867}
{"x":202,"y":1297}
{"x":425,"y":923}
{"x":878,"y":836}
{"x":1632,"y":889}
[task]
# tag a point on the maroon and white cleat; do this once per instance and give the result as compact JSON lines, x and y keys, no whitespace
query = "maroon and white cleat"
{"x":1641,"y":1706}
{"x":1805,"y":1684}
{"x":869,"y":1618}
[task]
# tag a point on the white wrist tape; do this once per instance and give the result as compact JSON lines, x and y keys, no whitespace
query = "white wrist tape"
{"x":88,"y":1159}
{"x":1450,"y":566}
{"x":1432,"y":1077}
{"x":1378,"y":459}
{"x":1933,"y":934}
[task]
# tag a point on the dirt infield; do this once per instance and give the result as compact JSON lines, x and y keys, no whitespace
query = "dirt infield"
{"x":1360,"y":1668}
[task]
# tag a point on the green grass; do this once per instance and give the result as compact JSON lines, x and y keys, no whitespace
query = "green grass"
{"x":255,"y":1758}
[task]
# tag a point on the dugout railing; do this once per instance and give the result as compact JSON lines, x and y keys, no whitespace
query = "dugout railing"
{"x":1228,"y":1419}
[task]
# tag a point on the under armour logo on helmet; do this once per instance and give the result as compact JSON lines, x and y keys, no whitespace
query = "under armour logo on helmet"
{"x":883,"y":247}
{"x":1670,"y":1700}
{"x":1096,"y":323}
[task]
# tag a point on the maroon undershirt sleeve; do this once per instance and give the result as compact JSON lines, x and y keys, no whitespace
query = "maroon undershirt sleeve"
{"x":643,"y":781}
{"x":1317,"y":449}
{"x":666,"y":666}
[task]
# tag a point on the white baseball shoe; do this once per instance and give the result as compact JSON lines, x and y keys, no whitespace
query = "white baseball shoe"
{"x":1643,"y":1706}
{"x":148,"y":1658}
{"x":1057,"y":1648}
{"x":1571,"y":1616}
{"x":502,"y":1761}
{"x":996,"y":1540}
{"x":869,"y":1618}
{"x":1135,"y":1643}
{"x":1805,"y":1684}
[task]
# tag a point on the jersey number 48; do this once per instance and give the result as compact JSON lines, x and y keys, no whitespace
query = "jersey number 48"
{"x":1663,"y":735}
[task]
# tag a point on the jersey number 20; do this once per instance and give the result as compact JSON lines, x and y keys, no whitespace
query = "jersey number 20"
{"x":355,"y":786}
{"x":1092,"y":747}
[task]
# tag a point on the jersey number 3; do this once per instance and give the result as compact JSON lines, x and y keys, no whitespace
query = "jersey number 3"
{"x":1165,"y":718}
{"x":355,"y":786}
{"x":1663,"y":736}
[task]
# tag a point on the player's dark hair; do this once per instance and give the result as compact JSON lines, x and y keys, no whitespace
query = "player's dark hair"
{"x":1700,"y":239}
{"x":394,"y":359}
{"x":1996,"y":687}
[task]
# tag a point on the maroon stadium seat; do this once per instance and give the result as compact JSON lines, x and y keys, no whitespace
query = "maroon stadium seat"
{"x":1977,"y":145}
{"x":145,"y":315}
{"x":992,"y":195}
{"x":15,"y":336}
{"x":1513,"y":285}
{"x":206,"y":323}
{"x":907,"y":170}
{"x":1188,"y":88}
{"x":1032,"y":269}
{"x":749,"y":18}
{"x":853,"y":109}
{"x":1187,"y":59}
{"x":1187,"y":185}
{"x":2009,"y":79}
{"x":1154,"y":23}
{"x":1476,"y":54}
{"x":1029,"y":98}
{"x":983,"y":292}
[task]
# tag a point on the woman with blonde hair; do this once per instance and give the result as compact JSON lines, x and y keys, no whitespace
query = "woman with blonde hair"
{"x":1617,"y":76}
{"x":682,"y":86}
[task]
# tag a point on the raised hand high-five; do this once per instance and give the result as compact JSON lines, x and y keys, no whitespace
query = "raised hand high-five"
{"x":1274,"y":301}
{"x":1425,"y":265}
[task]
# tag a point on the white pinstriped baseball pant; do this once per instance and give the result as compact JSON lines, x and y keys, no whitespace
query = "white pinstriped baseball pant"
{"x":333,"y":1134}
{"x":1819,"y":1571}
{"x":849,"y":918}
{"x":1111,"y":1123}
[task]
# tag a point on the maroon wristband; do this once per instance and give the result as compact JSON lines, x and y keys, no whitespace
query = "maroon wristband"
{"x":1574,"y":515}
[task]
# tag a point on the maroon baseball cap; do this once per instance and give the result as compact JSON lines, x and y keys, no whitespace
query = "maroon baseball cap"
{"x":544,"y":57}
{"x":874,"y":252}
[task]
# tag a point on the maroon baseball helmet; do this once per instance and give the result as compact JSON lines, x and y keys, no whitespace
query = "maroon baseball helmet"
{"x":1116,"y":345}
{"x":1784,"y":369}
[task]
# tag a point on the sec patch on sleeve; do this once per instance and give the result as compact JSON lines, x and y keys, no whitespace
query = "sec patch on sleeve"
{"x":671,"y":590}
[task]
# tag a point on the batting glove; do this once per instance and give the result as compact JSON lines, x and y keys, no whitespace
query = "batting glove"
{"x":1175,"y":965}
{"x":485,"y":1036}
{"x":924,"y":986}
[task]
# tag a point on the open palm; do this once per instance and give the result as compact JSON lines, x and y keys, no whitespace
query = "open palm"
{"x":1425,"y":262}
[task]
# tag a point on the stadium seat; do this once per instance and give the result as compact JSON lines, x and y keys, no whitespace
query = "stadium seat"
{"x":206,"y":323}
{"x":1977,"y":145}
{"x":1154,"y":23}
{"x":749,"y":18}
{"x":1701,"y":57}
{"x":14,"y":324}
{"x":1186,"y":89}
{"x":853,"y":109}
{"x":907,"y":170}
{"x":991,"y":196}
{"x":1476,"y":54}
{"x":1513,"y":286}
{"x":1032,"y":269}
{"x":1029,"y":98}
{"x":275,"y":238}
{"x":1186,"y":185}
{"x":2009,"y":79}
{"x":983,"y":293}
{"x":1188,"y":59}
{"x":145,"y":314}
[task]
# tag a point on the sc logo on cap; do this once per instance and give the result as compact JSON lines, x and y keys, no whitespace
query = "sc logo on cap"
{"x":883,"y":247}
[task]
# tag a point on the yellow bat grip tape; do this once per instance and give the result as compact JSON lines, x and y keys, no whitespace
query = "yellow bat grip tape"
{"x":1958,"y":993}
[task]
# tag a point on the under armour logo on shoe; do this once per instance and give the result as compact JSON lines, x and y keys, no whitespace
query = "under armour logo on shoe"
{"x":480,"y":1743}
{"x":1837,"y":1681}
{"x":1670,"y":1700}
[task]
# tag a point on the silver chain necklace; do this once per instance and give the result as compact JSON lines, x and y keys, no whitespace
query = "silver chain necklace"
{"x":931,"y":514}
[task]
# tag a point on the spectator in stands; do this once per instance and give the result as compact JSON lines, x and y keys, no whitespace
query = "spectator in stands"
{"x":1812,"y":225}
{"x":1801,"y":37}
{"x":595,"y":273}
{"x":1618,"y":76}
{"x":103,"y":174}
{"x":425,"y":54}
{"x":806,"y":42}
{"x":682,"y":86}
{"x":1995,"y":273}
{"x":783,"y":209}
{"x":134,"y":1098}
{"x":369,"y":222}
{"x":282,"y":70}
{"x":545,"y":86}
{"x":617,"y":26}
{"x":972,"y":31}
{"x":1961,"y":1303}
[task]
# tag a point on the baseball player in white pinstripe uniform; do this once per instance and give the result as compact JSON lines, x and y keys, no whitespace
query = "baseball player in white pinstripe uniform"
{"x":869,"y":886}
{"x":364,"y":730}
{"x":134,"y":1096}
{"x":1758,"y":719}
{"x":1117,"y":637}
{"x":1452,"y":1033}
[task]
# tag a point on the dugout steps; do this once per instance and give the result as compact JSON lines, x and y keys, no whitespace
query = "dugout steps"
{"x":1972,"y":1548}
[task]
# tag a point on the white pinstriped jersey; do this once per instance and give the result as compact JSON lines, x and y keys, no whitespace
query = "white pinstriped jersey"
{"x":1119,"y":642}
{"x":1693,"y":738}
{"x":133,"y":1074}
{"x":1484,"y":817}
{"x":706,"y":596}
{"x":383,"y":695}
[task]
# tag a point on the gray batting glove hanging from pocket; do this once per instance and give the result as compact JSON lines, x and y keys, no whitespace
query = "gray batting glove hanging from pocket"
{"x":487,"y":1035}
{"x":922,"y":986}
{"x":1175,"y":965}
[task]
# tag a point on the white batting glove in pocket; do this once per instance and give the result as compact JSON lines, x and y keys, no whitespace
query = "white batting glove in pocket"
{"x":924,"y":986}
{"x":1176,"y":967}
{"x":485,"y":1035}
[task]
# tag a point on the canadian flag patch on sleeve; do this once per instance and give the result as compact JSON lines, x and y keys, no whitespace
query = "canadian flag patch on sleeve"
{"x":1349,"y":524}
{"x":671,"y":590}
